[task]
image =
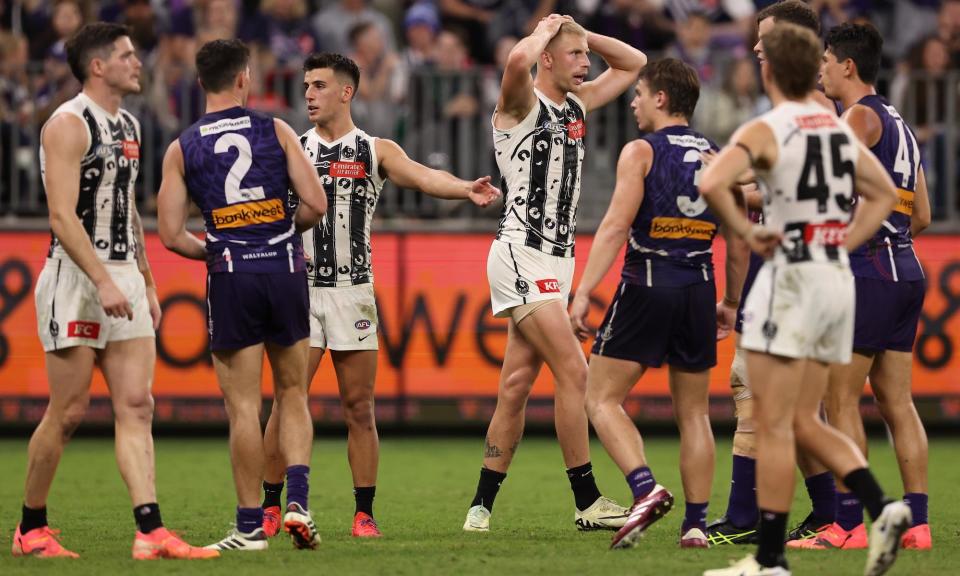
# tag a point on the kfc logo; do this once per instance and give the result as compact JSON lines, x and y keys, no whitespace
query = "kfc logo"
{"x":548,"y":286}
{"x":79,"y":329}
{"x":826,"y":234}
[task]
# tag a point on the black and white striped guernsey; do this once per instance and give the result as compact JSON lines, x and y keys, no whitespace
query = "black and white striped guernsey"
{"x":338,"y":248}
{"x":540,"y":161}
{"x":108,"y":175}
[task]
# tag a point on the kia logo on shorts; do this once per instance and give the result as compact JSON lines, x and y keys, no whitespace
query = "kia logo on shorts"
{"x":362,"y":324}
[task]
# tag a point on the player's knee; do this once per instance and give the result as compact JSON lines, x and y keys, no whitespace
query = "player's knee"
{"x":516,"y":387}
{"x":242,"y":410}
{"x":358,"y":413}
{"x":71,"y":418}
{"x":572,"y":376}
{"x":595,"y":403}
{"x":136,"y":406}
{"x":808,"y":430}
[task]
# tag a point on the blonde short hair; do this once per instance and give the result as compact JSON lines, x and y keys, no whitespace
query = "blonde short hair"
{"x":568,"y":28}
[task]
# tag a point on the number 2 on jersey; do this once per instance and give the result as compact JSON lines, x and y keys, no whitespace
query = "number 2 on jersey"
{"x":231,"y":186}
{"x":814,"y":184}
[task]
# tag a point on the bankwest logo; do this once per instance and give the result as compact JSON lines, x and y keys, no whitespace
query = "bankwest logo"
{"x":78,"y":329}
{"x":904,"y":203}
{"x":225,"y":125}
{"x":348,"y":170}
{"x":678,"y":228}
{"x":248,"y":213}
{"x":828,"y":234}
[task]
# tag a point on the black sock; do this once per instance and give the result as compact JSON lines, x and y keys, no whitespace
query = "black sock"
{"x":32,"y":519}
{"x":863,"y":484}
{"x":584,"y":485}
{"x":147,"y":517}
{"x":773,"y":532}
{"x":271,"y":494}
{"x":364,"y":499}
{"x":487,"y":488}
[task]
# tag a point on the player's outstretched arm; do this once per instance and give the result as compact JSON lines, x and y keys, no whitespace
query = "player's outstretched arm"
{"x":921,"y":216}
{"x":632,"y":167}
{"x":64,"y":140}
{"x":405,"y":173}
{"x":752,"y":146}
{"x":516,"y":88}
{"x":624,"y":63}
{"x":877,"y":198}
{"x":173,"y":208}
{"x":305,"y":180}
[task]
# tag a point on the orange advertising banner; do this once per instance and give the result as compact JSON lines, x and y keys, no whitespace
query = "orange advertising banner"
{"x":438,"y":339}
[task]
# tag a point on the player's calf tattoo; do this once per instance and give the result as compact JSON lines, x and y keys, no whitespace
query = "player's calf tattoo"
{"x":491,"y":450}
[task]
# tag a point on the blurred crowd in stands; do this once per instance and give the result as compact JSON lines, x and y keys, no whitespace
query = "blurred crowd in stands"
{"x":464,"y":43}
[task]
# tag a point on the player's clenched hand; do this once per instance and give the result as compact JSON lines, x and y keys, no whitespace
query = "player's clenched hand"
{"x":482,"y":193}
{"x":578,"y":316}
{"x":762,"y":240}
{"x":114,"y":303}
{"x":726,"y":318}
{"x":154,"y":303}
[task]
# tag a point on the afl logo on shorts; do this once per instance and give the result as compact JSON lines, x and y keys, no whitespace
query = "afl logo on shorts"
{"x":362,"y":324}
{"x":522,"y":287}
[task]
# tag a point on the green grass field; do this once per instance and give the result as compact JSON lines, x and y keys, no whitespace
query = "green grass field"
{"x":424,"y":490}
